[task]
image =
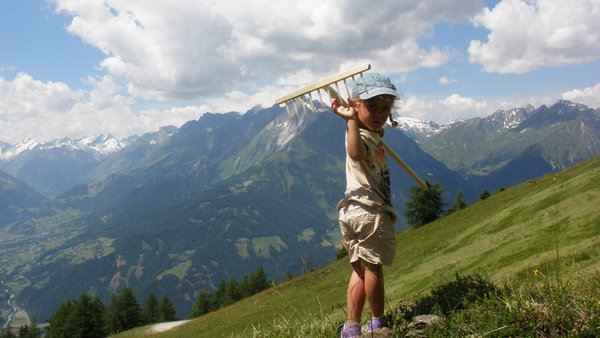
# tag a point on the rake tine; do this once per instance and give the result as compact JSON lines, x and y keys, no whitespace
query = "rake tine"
{"x":320,"y":97}
{"x":337,"y":87}
{"x":312,"y":104}
{"x":364,"y":83}
{"x":303,"y":104}
{"x":287,"y":109}
{"x":346,"y":85}
{"x":296,"y":108}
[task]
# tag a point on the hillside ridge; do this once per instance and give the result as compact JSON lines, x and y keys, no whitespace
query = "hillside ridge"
{"x":507,"y":236}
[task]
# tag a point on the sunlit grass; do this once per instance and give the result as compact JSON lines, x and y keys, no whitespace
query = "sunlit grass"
{"x":549,"y":225}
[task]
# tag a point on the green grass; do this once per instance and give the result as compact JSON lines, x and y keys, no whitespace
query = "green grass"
{"x":550,"y":224}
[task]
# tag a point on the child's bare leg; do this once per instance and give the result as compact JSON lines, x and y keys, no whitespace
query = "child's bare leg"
{"x":356,"y":292}
{"x":374,"y":288}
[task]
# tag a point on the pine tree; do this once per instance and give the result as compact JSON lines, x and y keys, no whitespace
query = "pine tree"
{"x":258,"y":280}
{"x":130,"y":314}
{"x":245,"y":287}
{"x":485,"y":194}
{"x":24,"y":331}
{"x":113,"y":323}
{"x":459,"y":202}
{"x":232,"y":290}
{"x":89,"y":316}
{"x":166,"y":311}
{"x":62,"y":323}
{"x":84,"y":318}
{"x":202,"y":305}
{"x":150,"y":313}
{"x":424,"y":206}
{"x":219,"y":295}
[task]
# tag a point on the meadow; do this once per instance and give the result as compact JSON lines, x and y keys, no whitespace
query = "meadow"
{"x":523,"y":262}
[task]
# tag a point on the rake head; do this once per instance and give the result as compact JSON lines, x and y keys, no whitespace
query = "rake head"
{"x":328,"y":88}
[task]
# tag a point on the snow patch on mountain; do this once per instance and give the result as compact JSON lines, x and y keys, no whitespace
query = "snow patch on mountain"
{"x":99,"y":146}
{"x":418,"y":130}
{"x":510,"y":119}
{"x":8,"y":151}
{"x":424,"y":127}
{"x":299,"y":113}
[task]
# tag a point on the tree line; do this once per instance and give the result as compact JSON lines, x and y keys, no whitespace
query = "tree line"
{"x":88,"y":317}
{"x":426,"y":206}
{"x":230,"y":291}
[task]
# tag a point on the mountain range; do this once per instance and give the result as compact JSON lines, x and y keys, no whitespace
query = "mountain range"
{"x":181,"y":209}
{"x":512,"y":146}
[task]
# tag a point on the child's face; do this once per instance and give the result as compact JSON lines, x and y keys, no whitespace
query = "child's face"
{"x":374,"y":112}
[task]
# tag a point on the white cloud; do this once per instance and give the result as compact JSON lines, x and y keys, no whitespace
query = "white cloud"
{"x":457,"y":103}
{"x":446,"y":81}
{"x":528,"y":34}
{"x":589,"y":96}
{"x":453,"y":107}
{"x":50,"y":110}
{"x":190,"y":49}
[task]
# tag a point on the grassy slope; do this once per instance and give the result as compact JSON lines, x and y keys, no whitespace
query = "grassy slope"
{"x":503,"y":237}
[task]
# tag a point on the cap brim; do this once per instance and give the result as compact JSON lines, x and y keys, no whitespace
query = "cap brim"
{"x":378,"y":91}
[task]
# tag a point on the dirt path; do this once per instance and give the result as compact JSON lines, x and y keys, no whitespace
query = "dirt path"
{"x":162,"y":327}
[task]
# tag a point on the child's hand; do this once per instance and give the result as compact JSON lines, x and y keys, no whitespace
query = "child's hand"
{"x":347,"y":113}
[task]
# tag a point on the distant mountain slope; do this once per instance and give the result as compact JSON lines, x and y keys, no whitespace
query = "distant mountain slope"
{"x":509,"y":147}
{"x":51,"y":168}
{"x":131,"y":155}
{"x":18,"y":201}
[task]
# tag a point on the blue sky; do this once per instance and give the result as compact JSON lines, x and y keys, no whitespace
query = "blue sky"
{"x":88,"y":67}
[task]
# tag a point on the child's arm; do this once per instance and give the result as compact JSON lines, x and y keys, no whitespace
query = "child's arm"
{"x":355,"y":146}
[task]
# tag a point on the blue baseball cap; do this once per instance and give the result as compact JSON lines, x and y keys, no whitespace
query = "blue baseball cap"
{"x":376,"y":84}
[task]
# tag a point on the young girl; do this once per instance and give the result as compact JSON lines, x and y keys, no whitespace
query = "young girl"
{"x":367,"y":217}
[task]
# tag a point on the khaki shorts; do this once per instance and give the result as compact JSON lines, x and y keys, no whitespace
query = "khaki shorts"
{"x":368,"y":233}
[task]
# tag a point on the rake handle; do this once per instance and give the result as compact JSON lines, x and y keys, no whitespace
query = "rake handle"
{"x":405,"y":166}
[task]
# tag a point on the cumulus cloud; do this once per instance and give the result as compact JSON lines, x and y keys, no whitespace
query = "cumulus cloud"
{"x":182,"y":49}
{"x":453,"y":107}
{"x":51,"y":110}
{"x":589,"y":96}
{"x":524,"y":35}
{"x":446,"y":81}
{"x":456,"y":102}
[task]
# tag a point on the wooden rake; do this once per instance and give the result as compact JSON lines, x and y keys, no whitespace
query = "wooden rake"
{"x":330,"y":86}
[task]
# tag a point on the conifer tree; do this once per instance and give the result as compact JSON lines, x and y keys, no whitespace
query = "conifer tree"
{"x":424,"y":206}
{"x":113,"y":323}
{"x":166,"y":311}
{"x":89,"y":316}
{"x":245,"y":287}
{"x":150,"y":312}
{"x":62,"y":323}
{"x":84,"y":318}
{"x":258,"y":280}
{"x":130,"y":314}
{"x":202,"y":305}
{"x":459,"y":202}
{"x":24,"y":331}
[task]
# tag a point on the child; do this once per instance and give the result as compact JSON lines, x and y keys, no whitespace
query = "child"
{"x":366,"y":214}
